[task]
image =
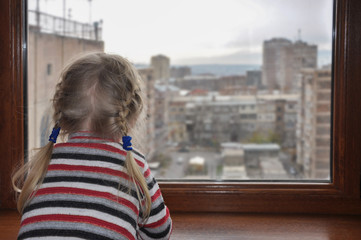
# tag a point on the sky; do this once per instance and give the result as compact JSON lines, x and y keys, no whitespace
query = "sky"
{"x":201,"y":31}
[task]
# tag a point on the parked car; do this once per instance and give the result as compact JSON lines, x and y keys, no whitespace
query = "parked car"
{"x":180,"y":160}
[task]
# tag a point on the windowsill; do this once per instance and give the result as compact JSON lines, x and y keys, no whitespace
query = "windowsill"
{"x":240,"y":226}
{"x":265,"y":226}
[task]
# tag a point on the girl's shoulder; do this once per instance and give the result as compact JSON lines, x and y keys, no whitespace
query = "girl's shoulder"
{"x":137,"y":154}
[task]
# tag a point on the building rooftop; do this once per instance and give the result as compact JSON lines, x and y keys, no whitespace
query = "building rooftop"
{"x":200,"y":77}
{"x":229,"y":152}
{"x":164,"y":88}
{"x":261,"y":147}
{"x":46,"y":23}
{"x":250,"y":146}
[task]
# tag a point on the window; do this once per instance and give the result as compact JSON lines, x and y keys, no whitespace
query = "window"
{"x":48,"y":69}
{"x":340,"y":196}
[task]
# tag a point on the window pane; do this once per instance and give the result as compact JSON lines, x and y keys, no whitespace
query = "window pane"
{"x":235,"y":89}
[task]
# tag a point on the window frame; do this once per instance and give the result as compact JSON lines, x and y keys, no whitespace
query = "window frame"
{"x":342,"y":196}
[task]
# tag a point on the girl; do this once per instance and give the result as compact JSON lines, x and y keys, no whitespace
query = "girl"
{"x":92,"y":186}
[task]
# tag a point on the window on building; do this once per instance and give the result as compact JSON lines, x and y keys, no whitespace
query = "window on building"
{"x":48,"y":68}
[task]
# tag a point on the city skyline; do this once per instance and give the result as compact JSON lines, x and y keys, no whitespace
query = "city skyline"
{"x":223,"y":35}
{"x":252,"y":122}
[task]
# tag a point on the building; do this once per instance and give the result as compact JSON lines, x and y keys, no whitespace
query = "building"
{"x":233,"y":163}
{"x":176,"y":122}
{"x":180,"y":72}
{"x":53,"y":42}
{"x":212,"y":118}
{"x":148,"y":79}
{"x":283,"y":61}
{"x":254,"y":78}
{"x":262,"y":161}
{"x":161,"y":68}
{"x":204,"y":82}
{"x":314,"y":124}
{"x":211,"y":82}
{"x":252,"y":161}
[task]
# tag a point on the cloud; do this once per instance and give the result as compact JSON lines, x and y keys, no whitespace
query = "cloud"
{"x":284,"y":19}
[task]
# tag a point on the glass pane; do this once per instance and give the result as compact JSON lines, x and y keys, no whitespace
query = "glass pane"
{"x":236,"y":89}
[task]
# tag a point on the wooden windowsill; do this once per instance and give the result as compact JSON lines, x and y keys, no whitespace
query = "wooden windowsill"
{"x":226,"y":226}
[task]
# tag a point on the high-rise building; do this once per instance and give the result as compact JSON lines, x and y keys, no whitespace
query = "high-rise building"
{"x":314,"y":123}
{"x":283,"y":61}
{"x":161,"y":67}
{"x":272,"y":62}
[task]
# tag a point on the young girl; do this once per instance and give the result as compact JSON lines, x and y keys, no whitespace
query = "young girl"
{"x":92,"y":186}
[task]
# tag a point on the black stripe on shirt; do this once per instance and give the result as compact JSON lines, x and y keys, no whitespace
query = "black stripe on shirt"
{"x":89,"y":157}
{"x":156,"y":235}
{"x":157,"y":209}
{"x":100,"y":182}
{"x":62,"y":233}
{"x":154,"y":211}
{"x":83,"y":205}
{"x":151,"y":184}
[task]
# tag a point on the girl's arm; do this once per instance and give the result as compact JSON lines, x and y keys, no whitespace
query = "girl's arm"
{"x":159,"y":223}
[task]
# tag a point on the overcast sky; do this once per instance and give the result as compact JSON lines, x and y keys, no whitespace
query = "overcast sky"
{"x":202,"y":31}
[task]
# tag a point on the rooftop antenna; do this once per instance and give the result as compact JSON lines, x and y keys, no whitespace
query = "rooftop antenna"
{"x":64,"y":16}
{"x":69,"y":13}
{"x":90,"y":11}
{"x":299,"y":35}
{"x":64,"y":9}
{"x":37,"y":13}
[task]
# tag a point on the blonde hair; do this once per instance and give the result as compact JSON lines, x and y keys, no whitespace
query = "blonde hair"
{"x":102,"y":92}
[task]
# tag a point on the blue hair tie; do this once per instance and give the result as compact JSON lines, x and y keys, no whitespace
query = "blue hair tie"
{"x":54,"y":134}
{"x":126,"y":143}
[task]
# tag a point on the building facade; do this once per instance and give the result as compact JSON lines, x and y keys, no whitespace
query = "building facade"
{"x":148,"y":80}
{"x":314,"y":123}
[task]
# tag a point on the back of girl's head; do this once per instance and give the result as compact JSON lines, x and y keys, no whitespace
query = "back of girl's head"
{"x":98,"y":92}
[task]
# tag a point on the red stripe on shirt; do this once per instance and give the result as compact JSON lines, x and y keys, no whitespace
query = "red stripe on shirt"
{"x":86,"y":192}
{"x":66,"y":167}
{"x":159,"y":222}
{"x":78,"y":219}
{"x":147,"y":173}
{"x":156,"y":195}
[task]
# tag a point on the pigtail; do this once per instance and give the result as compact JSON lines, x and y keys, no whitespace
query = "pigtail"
{"x":34,"y":170}
{"x":140,"y":184}
{"x":135,"y":174}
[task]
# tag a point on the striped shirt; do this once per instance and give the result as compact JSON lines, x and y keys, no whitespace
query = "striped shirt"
{"x":87,"y":194}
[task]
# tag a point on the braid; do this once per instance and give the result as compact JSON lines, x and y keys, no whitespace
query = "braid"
{"x":122,"y":123}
